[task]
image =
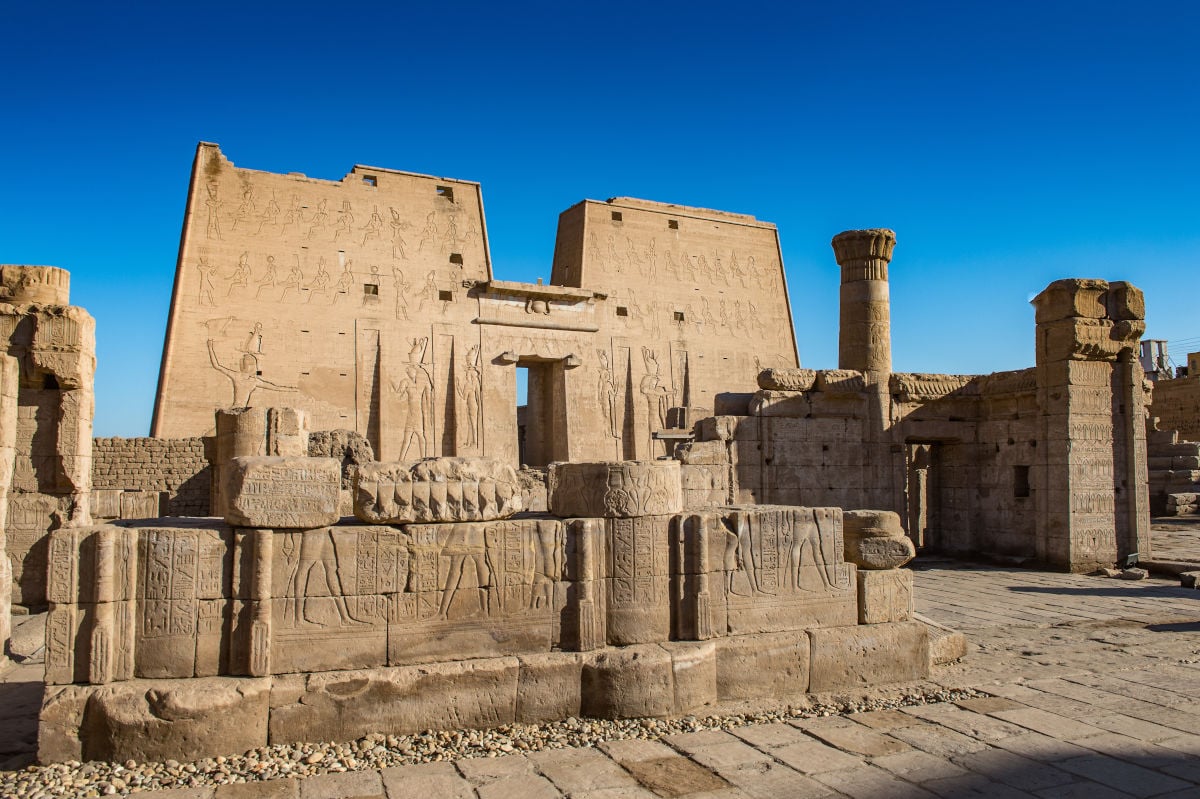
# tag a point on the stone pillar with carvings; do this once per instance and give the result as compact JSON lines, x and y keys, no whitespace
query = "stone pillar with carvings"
{"x":865,"y":345}
{"x":54,"y":346}
{"x":9,"y":376}
{"x":865,"y":339}
{"x":1090,"y":479}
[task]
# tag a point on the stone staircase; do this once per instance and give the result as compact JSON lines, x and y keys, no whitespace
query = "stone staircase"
{"x":1174,"y":474}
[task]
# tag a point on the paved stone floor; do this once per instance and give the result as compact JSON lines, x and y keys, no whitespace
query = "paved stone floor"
{"x":1095,"y":688}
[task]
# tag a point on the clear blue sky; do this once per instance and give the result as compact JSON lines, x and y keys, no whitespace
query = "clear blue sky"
{"x":1007,"y":143}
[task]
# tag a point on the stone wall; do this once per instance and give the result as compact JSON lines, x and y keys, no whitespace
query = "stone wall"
{"x":179,"y":467}
{"x":1176,"y":404}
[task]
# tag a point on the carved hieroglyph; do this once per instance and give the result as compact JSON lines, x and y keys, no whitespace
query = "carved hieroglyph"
{"x":615,"y":489}
{"x":436,"y":490}
{"x":272,"y":491}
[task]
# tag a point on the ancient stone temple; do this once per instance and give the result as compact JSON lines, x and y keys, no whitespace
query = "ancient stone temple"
{"x":370,"y":304}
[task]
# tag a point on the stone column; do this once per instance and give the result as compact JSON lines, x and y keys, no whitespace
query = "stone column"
{"x":865,"y":345}
{"x":865,"y":339}
{"x":1091,"y":468}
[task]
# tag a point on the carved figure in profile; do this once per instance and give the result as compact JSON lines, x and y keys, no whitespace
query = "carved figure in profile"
{"x":212,"y":203}
{"x":450,"y":237}
{"x":651,"y":261}
{"x":471,"y":392}
{"x":345,"y":281}
{"x":401,"y":287}
{"x":731,"y":563}
{"x":658,"y":397}
{"x":295,"y":213}
{"x":268,"y":280}
{"x":429,"y":233}
{"x":241,"y":274}
{"x":607,"y":393}
{"x":614,"y":257}
{"x":345,"y":219}
{"x":319,"y":218}
{"x":374,"y":226}
{"x":399,"y":245}
{"x":429,"y":292}
{"x":415,"y":393}
{"x":320,"y":281}
{"x":294,"y":279}
{"x":806,"y":533}
{"x":270,"y":214}
{"x":317,"y":551}
{"x":245,"y":208}
{"x":593,"y":248}
{"x":245,"y":379}
{"x":465,"y":542}
{"x":206,"y":285}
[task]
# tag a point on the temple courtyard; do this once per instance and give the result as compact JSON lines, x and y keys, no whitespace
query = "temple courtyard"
{"x":1072,"y":686}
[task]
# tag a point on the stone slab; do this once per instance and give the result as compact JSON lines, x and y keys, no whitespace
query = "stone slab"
{"x":287,"y":492}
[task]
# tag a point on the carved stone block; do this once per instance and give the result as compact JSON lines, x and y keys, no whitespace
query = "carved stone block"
{"x":693,"y":674}
{"x":436,"y":490}
{"x":548,"y":687}
{"x":637,"y":563}
{"x":345,"y":705}
{"x":856,"y":657}
{"x":759,"y":569}
{"x":282,"y":492}
{"x":621,"y":489}
{"x":763,"y":665}
{"x":787,"y":379}
{"x":181,"y":719}
{"x":631,"y":681}
{"x":885,"y":596}
{"x":876,"y":540}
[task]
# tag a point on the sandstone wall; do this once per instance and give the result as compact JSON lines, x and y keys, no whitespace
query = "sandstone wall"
{"x":1176,"y":404}
{"x":370,"y":304}
{"x":179,"y":467}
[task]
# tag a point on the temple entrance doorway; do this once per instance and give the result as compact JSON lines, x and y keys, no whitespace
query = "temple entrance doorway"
{"x":542,"y":417}
{"x":924,"y":494}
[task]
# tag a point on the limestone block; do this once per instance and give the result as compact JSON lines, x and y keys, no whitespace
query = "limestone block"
{"x":766,"y":665}
{"x":787,"y":379}
{"x":345,"y":705}
{"x":637,"y":565}
{"x":840,"y":381}
{"x":180,"y":719}
{"x":270,"y":491}
{"x":694,"y":674}
{"x":141,"y":504}
{"x":5,"y":599}
{"x":41,"y":285}
{"x":727,"y":428}
{"x":851,"y":658}
{"x":106,"y":503}
{"x":548,"y":687}
{"x":703,"y":453}
{"x":876,"y":539}
{"x":60,"y":721}
{"x":730,"y":403}
{"x":1071,"y":298}
{"x":628,"y":682}
{"x":618,"y":489}
{"x":759,"y":569}
{"x":436,"y":490}
{"x":885,"y":596}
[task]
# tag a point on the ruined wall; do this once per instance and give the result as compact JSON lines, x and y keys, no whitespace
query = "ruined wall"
{"x":180,"y":467}
{"x":369,"y":304}
{"x":1176,"y":404}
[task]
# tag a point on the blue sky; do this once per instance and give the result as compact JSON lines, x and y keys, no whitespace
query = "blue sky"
{"x":1008,"y":144}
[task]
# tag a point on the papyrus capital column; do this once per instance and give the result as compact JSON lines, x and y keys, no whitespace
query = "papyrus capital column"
{"x":865,"y":340}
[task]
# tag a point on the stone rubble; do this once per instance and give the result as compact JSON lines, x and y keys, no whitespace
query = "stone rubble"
{"x":93,"y":779}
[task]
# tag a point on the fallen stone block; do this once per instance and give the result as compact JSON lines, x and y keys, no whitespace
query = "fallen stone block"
{"x":436,"y":490}
{"x":269,"y":491}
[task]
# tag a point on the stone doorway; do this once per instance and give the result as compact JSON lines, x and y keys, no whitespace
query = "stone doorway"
{"x":924,"y":494}
{"x":542,"y":420}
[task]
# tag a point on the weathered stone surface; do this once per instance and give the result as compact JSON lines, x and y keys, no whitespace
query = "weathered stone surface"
{"x":885,"y":595}
{"x":763,"y":665}
{"x":549,"y":687}
{"x":847,"y":658}
{"x":876,"y":540}
{"x":615,"y":489}
{"x":283,"y":491}
{"x":628,"y":682}
{"x":637,"y":588}
{"x":787,"y":379}
{"x":693,"y":673}
{"x":344,"y":705}
{"x":154,"y":720}
{"x":436,"y":490}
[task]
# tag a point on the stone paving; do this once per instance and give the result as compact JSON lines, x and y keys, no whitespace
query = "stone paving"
{"x":1094,"y":684}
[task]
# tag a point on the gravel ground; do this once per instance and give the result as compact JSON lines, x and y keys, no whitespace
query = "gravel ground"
{"x":73,"y":779}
